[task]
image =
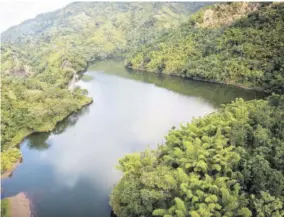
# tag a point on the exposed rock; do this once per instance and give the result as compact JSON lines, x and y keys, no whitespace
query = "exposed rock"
{"x":72,"y":83}
{"x":226,"y":14}
{"x":19,"y":72}
{"x":66,"y":64}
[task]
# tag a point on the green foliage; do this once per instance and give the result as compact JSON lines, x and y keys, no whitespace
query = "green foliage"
{"x":5,"y":210}
{"x":41,"y":56}
{"x":233,"y":45}
{"x":9,"y":158}
{"x":229,"y":163}
{"x":85,"y":31}
{"x":219,"y":165}
{"x":267,"y":205}
{"x":29,"y":105}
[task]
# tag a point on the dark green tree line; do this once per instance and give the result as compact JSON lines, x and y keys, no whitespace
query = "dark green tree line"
{"x":235,"y":43}
{"x":229,"y":163}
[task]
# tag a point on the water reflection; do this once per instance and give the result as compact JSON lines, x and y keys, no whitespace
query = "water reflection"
{"x":213,"y":93}
{"x":71,"y":171}
{"x":69,"y":121}
{"x":39,"y":142}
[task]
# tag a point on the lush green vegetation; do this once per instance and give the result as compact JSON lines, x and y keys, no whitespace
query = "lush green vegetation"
{"x":40,"y":56}
{"x":67,"y":38}
{"x":9,"y":158}
{"x":229,"y":163}
{"x":215,"y":94}
{"x":235,"y":43}
{"x":5,"y":212}
{"x":29,"y":105}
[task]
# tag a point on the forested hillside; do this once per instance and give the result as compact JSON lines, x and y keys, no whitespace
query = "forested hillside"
{"x":83,"y":32}
{"x":40,"y":56}
{"x":229,"y":163}
{"x":235,"y":43}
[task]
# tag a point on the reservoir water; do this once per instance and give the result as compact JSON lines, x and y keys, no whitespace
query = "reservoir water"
{"x":70,"y":172}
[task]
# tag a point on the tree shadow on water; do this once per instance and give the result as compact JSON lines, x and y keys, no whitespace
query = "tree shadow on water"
{"x":112,"y":214}
{"x":39,"y":141}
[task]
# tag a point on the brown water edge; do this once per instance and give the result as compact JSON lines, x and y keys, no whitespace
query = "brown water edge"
{"x":8,"y":173}
{"x":20,"y":205}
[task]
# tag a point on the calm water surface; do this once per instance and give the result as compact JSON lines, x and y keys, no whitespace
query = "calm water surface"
{"x":71,"y":171}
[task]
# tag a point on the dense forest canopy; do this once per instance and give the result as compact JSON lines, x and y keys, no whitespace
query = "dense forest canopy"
{"x":229,"y":163}
{"x":40,"y":56}
{"x":87,"y":31}
{"x":236,"y":43}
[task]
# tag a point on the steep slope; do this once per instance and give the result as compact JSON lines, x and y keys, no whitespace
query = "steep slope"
{"x":86,"y":31}
{"x":229,"y":163}
{"x":235,"y":43}
{"x":40,"y":56}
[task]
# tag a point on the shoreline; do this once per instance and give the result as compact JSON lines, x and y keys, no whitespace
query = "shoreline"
{"x":200,"y":79}
{"x":80,"y":74}
{"x":10,"y":171}
{"x":20,"y":205}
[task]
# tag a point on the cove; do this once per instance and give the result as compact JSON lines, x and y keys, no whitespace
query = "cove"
{"x":70,"y":172}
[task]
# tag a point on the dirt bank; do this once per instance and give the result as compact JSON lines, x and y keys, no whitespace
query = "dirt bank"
{"x":20,"y":206}
{"x":10,"y":171}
